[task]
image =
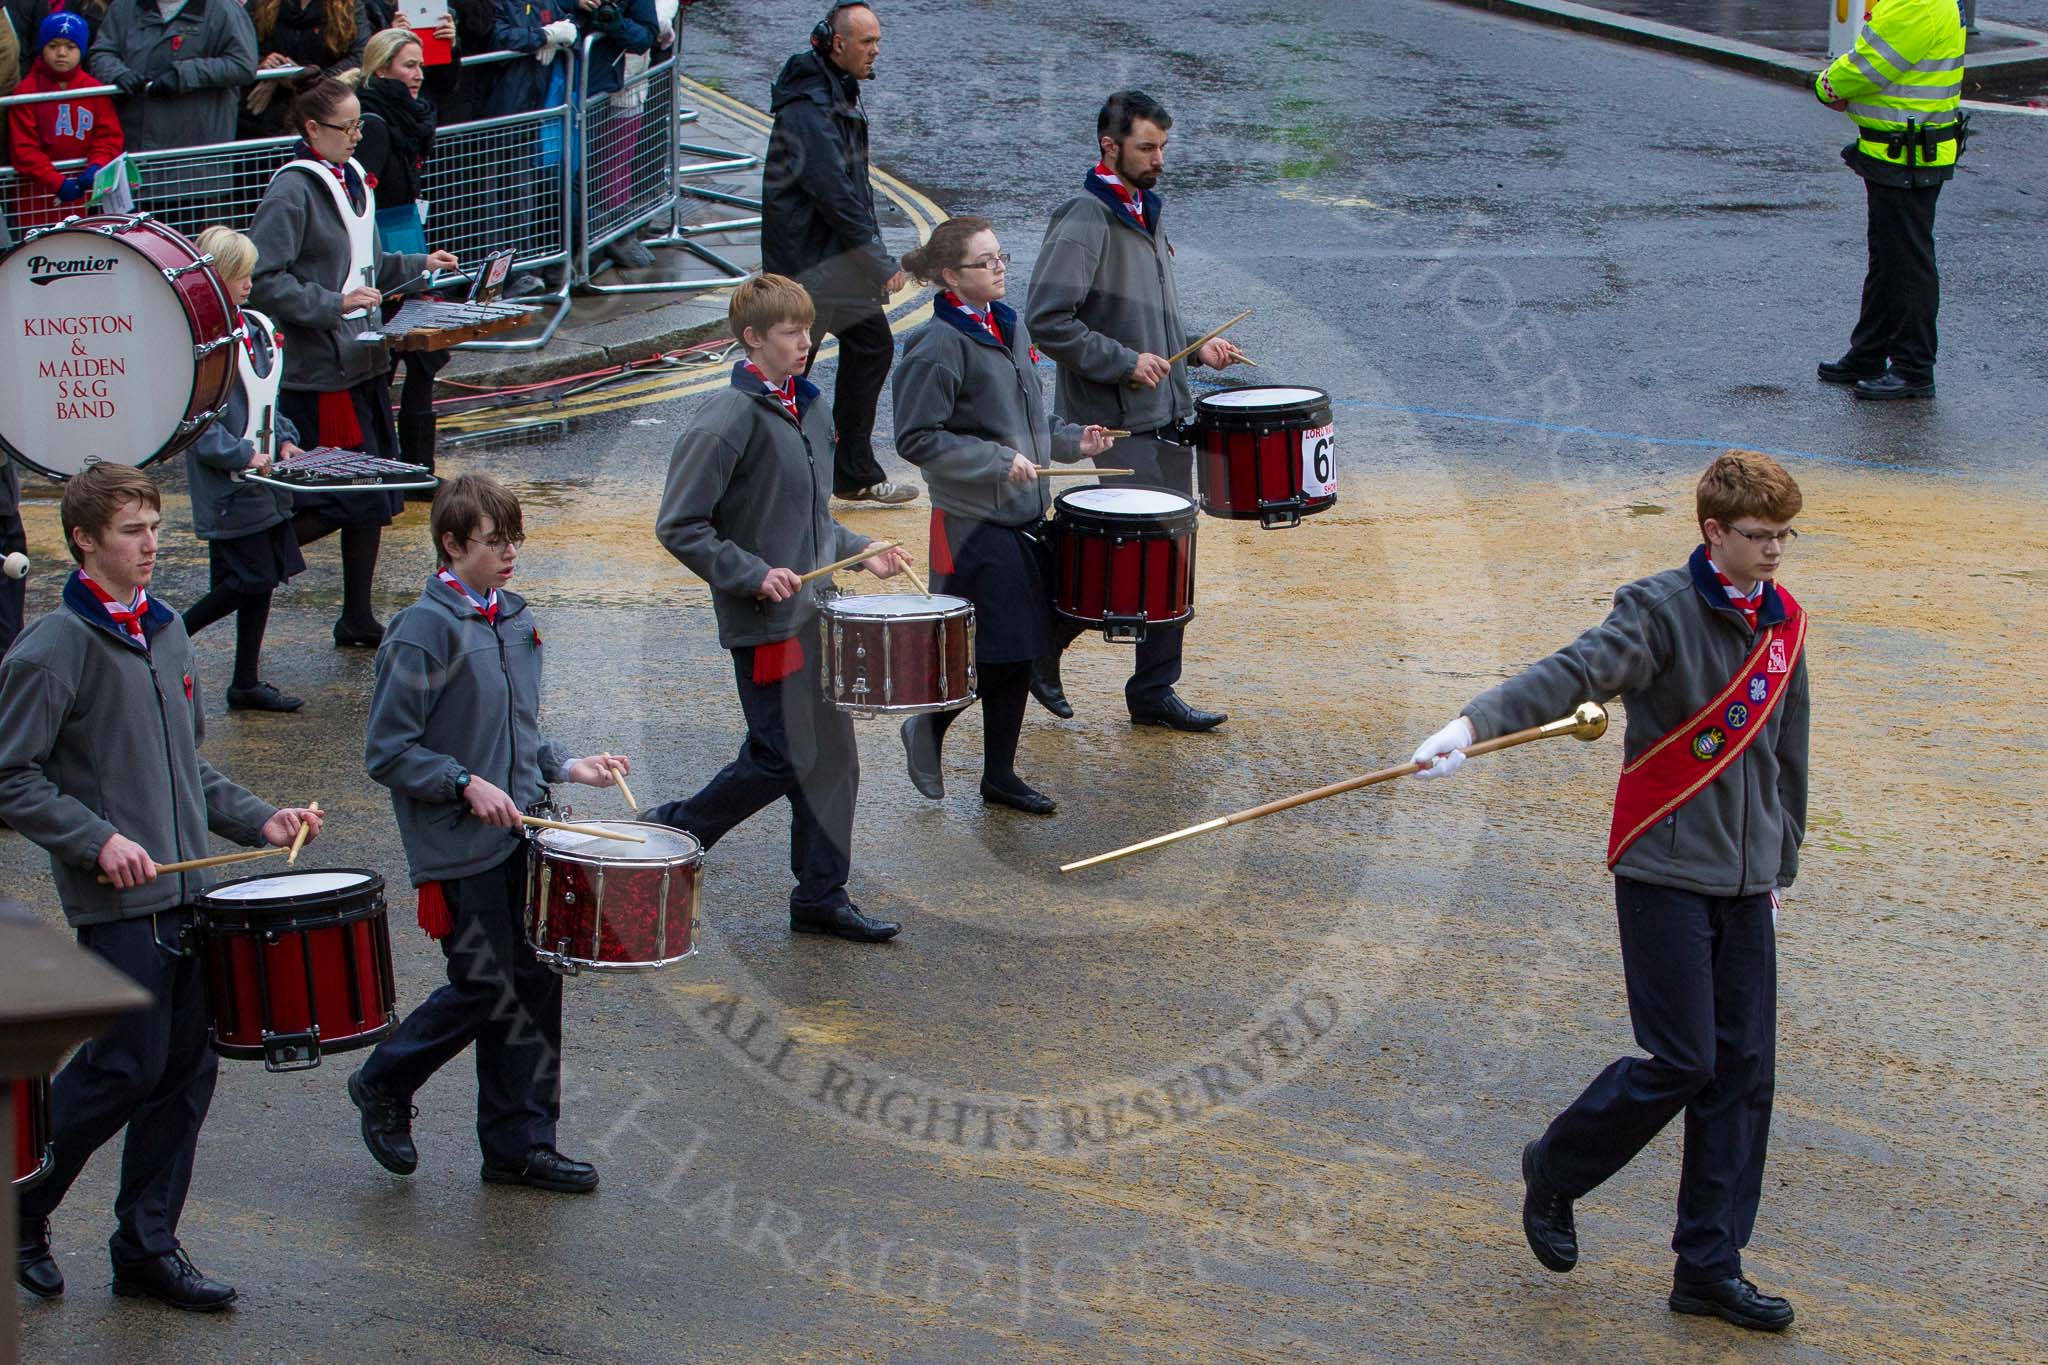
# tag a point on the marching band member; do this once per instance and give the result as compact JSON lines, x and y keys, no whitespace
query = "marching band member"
{"x":1104,"y":306}
{"x":748,"y":510}
{"x":100,"y":724}
{"x":247,"y":526}
{"x":320,"y":274}
{"x":970,"y":412}
{"x":1707,"y":824}
{"x":454,"y":732}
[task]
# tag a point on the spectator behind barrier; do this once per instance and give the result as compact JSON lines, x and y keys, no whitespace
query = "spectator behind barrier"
{"x":457,"y":92}
{"x":625,"y":29}
{"x":59,"y":130}
{"x":324,"y":35}
{"x":544,"y":32}
{"x":180,"y":79}
{"x":10,"y":58}
{"x":621,"y":26}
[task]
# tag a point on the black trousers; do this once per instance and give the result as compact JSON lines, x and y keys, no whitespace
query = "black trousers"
{"x":13,"y":591}
{"x":152,"y":1074}
{"x":866,"y":350}
{"x":498,"y":997}
{"x":1161,"y":463}
{"x":799,"y":747}
{"x":1901,"y":287}
{"x":1703,"y":999}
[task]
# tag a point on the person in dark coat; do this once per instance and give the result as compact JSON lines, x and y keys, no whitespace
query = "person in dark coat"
{"x":321,"y":35}
{"x":818,"y":227}
{"x":180,"y":79}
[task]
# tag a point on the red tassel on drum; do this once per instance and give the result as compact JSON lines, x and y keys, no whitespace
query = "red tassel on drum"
{"x":941,"y":557}
{"x":774,"y":662}
{"x":338,"y":424}
{"x":434,"y":916}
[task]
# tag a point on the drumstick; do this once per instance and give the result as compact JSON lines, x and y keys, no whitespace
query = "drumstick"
{"x":299,"y":840}
{"x":1047,"y":472}
{"x":395,"y":290}
{"x":1242,"y":359}
{"x":1588,"y":722}
{"x":919,"y":581}
{"x":217,"y":860}
{"x":837,"y":565}
{"x":535,"y":822}
{"x":1115,"y":433}
{"x":1187,"y":351}
{"x":619,"y":776}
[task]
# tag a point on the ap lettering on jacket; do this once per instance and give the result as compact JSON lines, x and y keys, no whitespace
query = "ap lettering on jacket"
{"x":72,"y":121}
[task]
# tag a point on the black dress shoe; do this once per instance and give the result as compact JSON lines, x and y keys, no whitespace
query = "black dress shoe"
{"x":1733,"y":1300}
{"x":387,"y":1126}
{"x":174,"y":1280}
{"x":1019,"y":797}
{"x":1892,"y":385}
{"x":843,"y":921}
{"x":262,"y":697}
{"x":1046,"y":687}
{"x":546,"y":1169}
{"x":1176,"y":714}
{"x":1547,"y":1219}
{"x":35,"y":1269}
{"x":349,"y":635}
{"x":1835,"y":372}
{"x":923,"y":757}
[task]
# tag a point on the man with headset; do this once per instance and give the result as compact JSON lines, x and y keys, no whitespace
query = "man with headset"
{"x":818,"y":227}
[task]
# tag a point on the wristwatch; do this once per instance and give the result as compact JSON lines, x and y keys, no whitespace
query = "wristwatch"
{"x":462,"y":782}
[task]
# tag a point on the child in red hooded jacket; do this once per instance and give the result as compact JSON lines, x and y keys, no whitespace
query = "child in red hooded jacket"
{"x":60,"y":130}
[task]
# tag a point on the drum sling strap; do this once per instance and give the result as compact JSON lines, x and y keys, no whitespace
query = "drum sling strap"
{"x":260,"y":426}
{"x":1679,"y":766}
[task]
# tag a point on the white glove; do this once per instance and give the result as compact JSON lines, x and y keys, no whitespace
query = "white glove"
{"x":1441,"y":750}
{"x":561,"y":33}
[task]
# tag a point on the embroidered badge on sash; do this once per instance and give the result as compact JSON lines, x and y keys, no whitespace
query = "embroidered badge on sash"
{"x":1738,"y":715}
{"x":1777,"y":663}
{"x":1708,"y":742}
{"x":1758,"y":689}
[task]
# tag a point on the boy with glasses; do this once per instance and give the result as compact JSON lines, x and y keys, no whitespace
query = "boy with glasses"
{"x":1708,"y":819}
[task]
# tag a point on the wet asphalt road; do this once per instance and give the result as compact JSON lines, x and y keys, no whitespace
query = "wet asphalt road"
{"x":1260,"y":1099}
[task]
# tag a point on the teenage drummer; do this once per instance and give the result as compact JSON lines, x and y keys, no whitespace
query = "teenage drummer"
{"x":454,"y":732}
{"x":1105,"y":307}
{"x":970,"y":412}
{"x":748,"y":510}
{"x":100,"y":723}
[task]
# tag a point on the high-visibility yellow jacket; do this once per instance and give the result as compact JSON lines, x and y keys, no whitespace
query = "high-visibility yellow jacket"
{"x":1904,"y":84}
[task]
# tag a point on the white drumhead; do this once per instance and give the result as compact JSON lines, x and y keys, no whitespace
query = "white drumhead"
{"x":1263,"y":397}
{"x":1127,"y":502}
{"x":899,"y":604}
{"x":286,"y":885}
{"x":664,"y":845}
{"x":98,"y":363}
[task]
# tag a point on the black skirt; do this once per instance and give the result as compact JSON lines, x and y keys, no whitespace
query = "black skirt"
{"x":256,"y":563}
{"x":1006,"y":572}
{"x":371,"y":400}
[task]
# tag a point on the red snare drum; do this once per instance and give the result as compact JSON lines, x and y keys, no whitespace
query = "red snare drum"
{"x":1268,"y":452}
{"x":298,"y":964}
{"x":608,"y":905}
{"x":1124,"y":558}
{"x":119,"y":344}
{"x":32,"y":1153}
{"x":897,"y":652}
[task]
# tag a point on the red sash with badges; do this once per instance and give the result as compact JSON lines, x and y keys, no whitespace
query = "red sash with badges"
{"x":1679,"y":766}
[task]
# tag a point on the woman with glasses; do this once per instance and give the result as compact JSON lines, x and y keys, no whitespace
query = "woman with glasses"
{"x":970,"y":412}
{"x":320,"y":272}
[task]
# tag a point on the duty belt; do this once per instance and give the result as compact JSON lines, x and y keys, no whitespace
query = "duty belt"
{"x":1921,"y":139}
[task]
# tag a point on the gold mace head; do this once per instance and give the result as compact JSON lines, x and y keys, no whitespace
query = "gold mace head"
{"x":1590,"y":720}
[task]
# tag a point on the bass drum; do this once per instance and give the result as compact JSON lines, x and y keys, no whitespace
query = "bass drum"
{"x":119,"y":344}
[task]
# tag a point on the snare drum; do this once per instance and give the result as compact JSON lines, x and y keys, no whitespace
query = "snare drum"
{"x":119,"y":344}
{"x":612,"y":906}
{"x":298,"y":964}
{"x":1124,"y":558}
{"x":898,"y":653}
{"x":1268,"y":452}
{"x":32,"y":1154}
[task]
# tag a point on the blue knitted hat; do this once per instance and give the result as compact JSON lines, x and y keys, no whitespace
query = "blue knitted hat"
{"x":66,"y":25}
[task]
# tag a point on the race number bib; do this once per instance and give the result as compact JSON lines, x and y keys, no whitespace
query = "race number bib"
{"x":1319,"y":462}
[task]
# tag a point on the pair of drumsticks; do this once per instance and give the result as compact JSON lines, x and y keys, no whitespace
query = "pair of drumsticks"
{"x":1184,"y":352}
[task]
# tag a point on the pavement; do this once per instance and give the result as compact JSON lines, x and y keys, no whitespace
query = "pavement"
{"x":1258,"y":1097}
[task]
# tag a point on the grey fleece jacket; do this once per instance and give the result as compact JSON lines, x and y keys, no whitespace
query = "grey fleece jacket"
{"x":300,"y":278}
{"x":748,"y":491}
{"x":100,"y":737}
{"x":964,"y":404}
{"x":1102,"y":293}
{"x":199,"y":62}
{"x":1669,"y":646}
{"x":224,"y":507}
{"x":454,"y":694}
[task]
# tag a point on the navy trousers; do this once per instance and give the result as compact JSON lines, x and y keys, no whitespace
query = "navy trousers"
{"x":1163,"y":464}
{"x":152,"y":1074}
{"x":1901,"y":286}
{"x":501,"y":998}
{"x":1703,"y":999}
{"x":799,"y":748}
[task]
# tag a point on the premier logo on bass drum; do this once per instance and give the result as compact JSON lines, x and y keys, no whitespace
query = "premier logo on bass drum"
{"x":43,"y":270}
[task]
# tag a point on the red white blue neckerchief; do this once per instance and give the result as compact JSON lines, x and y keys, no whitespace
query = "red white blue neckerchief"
{"x":785,"y":395}
{"x":1745,"y":602}
{"x":987,"y":319}
{"x":1134,"y":203}
{"x":128,"y":618}
{"x":486,"y":605}
{"x":352,"y":183}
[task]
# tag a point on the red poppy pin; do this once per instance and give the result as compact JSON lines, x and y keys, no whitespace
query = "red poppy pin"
{"x":177,"y":41}
{"x":188,"y":687}
{"x":1035,"y":356}
{"x":370,"y":180}
{"x":536,"y":637}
